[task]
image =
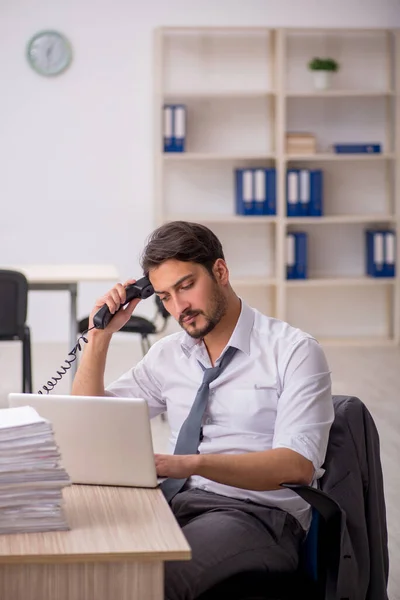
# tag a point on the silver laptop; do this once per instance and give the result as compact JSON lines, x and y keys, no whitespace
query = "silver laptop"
{"x":102,"y":440}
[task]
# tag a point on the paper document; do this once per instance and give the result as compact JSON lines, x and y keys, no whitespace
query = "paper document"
{"x":32,"y":477}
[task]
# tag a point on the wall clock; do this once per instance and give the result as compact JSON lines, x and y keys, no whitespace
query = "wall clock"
{"x":49,"y":53}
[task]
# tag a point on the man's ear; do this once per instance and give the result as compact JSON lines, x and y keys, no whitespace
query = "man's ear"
{"x":220,"y":271}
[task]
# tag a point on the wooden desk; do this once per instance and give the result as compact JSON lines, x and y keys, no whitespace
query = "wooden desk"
{"x":119,"y":540}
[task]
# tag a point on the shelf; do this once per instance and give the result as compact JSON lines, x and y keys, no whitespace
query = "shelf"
{"x":222,"y":219}
{"x":328,"y":220}
{"x":340,"y":219}
{"x":245,"y":89}
{"x":207,"y":29}
{"x":340,"y":281}
{"x":216,"y":94}
{"x":357,"y":341}
{"x":339,"y":93}
{"x":202,"y":156}
{"x":335,"y":31}
{"x":330,"y":156}
{"x":252,"y":282}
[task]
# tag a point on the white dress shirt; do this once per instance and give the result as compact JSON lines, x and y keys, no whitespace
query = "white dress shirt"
{"x":275,"y":393}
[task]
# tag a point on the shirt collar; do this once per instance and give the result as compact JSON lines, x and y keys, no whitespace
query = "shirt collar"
{"x":240,"y":337}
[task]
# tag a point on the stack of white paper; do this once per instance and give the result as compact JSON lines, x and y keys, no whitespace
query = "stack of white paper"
{"x":31,"y":475}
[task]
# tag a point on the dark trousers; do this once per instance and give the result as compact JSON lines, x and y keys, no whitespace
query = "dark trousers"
{"x":229,"y":536}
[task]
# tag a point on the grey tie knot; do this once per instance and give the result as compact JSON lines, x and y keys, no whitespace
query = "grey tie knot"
{"x":209,"y":375}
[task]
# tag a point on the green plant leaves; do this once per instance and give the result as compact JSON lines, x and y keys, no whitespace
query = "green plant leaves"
{"x":323,"y":64}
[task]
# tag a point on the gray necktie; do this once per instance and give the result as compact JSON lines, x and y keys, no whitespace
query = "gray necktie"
{"x":189,"y":434}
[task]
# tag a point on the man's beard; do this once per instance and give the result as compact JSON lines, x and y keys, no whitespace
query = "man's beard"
{"x":217,"y":310}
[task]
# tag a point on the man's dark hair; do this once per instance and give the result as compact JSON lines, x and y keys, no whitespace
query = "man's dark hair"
{"x":181,"y":240}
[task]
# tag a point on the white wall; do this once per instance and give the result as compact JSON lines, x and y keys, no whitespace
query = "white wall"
{"x":76,"y":151}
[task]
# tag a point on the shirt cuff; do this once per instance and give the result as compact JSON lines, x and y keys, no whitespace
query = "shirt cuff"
{"x":305,"y":446}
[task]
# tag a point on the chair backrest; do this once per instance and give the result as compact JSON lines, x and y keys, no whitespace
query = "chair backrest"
{"x":13,"y":303}
{"x":354,"y":479}
{"x":351,"y":503}
{"x":321,"y":545}
{"x":309,"y":554}
{"x":316,"y":554}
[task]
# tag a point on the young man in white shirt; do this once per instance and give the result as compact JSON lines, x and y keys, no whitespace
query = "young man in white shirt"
{"x":267,"y":417}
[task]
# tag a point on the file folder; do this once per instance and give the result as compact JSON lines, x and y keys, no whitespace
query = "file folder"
{"x":292,"y":193}
{"x":244,"y":191}
{"x":390,"y":254}
{"x":174,"y":127}
{"x":316,"y":205}
{"x":255,"y":191}
{"x":270,"y":200}
{"x":168,"y":128}
{"x":304,"y":192}
{"x":301,"y":255}
{"x":296,"y":255}
{"x":290,"y":256}
{"x":376,"y":265}
{"x":265,"y":191}
{"x":179,"y":127}
{"x":357,"y":148}
{"x":260,"y":191}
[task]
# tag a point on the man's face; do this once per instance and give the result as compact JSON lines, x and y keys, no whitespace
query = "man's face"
{"x":191,"y":295}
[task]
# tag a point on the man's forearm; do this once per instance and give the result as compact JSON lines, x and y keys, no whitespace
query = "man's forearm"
{"x":89,"y":379}
{"x":260,"y":471}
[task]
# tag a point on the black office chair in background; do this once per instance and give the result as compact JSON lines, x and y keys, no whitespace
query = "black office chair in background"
{"x":140,"y":325}
{"x":13,"y":311}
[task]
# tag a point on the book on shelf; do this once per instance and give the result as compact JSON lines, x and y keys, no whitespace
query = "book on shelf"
{"x":174,"y":127}
{"x":357,"y":148}
{"x":301,"y":143}
{"x":304,"y":193}
{"x":255,"y":191}
{"x":296,"y":255}
{"x":380,"y":252}
{"x":32,"y":477}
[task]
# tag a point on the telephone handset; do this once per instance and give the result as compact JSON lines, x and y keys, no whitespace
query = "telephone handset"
{"x":141,"y":289}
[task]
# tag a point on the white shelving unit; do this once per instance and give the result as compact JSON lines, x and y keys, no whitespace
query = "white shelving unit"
{"x":244,"y":89}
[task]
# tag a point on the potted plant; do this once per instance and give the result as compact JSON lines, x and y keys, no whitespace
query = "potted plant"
{"x":322,"y":69}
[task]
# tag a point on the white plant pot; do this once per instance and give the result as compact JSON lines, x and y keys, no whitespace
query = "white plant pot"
{"x":322,"y":80}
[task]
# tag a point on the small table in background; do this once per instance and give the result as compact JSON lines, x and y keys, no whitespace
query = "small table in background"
{"x":66,"y":278}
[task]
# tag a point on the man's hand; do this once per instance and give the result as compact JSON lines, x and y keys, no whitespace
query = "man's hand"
{"x":114,"y":298}
{"x":176,"y":465}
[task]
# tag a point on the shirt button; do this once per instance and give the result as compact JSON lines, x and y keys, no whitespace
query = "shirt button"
{"x":208,"y":421}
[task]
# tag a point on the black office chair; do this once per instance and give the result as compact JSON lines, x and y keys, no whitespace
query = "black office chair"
{"x":310,"y":580}
{"x":348,"y":525}
{"x":13,"y":310}
{"x":140,"y":325}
